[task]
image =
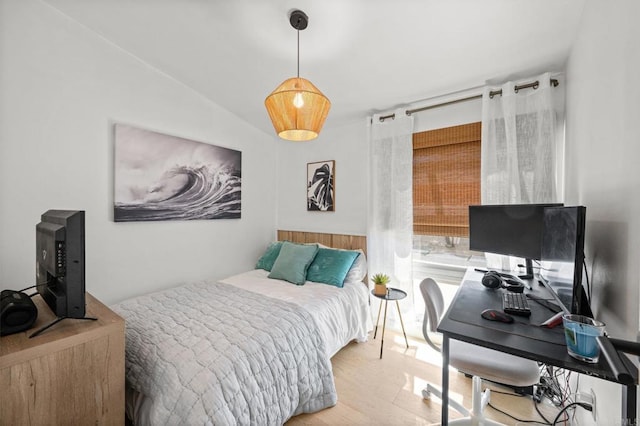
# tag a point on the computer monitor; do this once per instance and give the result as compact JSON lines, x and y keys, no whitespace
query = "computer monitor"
{"x":60,"y":262}
{"x":562,"y":257}
{"x":508,"y":229}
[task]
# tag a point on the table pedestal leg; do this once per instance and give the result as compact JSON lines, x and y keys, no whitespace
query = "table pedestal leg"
{"x":384,"y":323}
{"x":402,"y":324}
{"x":377,"y":320}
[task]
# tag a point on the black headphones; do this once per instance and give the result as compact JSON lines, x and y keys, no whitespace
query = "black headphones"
{"x":493,"y":280}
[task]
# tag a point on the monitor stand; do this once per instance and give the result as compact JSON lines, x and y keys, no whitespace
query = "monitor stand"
{"x":57,"y":320}
{"x":529,"y":270}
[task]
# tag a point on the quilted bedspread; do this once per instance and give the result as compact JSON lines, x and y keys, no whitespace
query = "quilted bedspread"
{"x":211,"y":353}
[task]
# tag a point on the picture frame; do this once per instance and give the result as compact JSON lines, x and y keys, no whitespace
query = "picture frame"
{"x":160,"y":177}
{"x":321,"y":186}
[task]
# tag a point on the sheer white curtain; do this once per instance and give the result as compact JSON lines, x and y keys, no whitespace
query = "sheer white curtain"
{"x":390,"y":227}
{"x":522,"y":144}
{"x":522,"y":149}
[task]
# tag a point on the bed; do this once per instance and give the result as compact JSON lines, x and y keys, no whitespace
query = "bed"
{"x":253,"y":348}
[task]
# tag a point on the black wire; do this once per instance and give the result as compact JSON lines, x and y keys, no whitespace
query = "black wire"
{"x":535,"y":405}
{"x":559,"y":391}
{"x":550,"y":385}
{"x":567,"y":390}
{"x":552,"y":389}
{"x":520,"y":265}
{"x":513,"y":417}
{"x":566,"y":407}
{"x":24,"y":289}
{"x":36,"y":285}
{"x":33,"y":286}
{"x":546,"y":422}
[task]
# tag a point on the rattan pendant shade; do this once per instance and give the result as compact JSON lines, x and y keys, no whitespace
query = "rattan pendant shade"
{"x":297,"y":109}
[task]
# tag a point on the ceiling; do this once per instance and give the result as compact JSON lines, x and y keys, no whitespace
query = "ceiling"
{"x":366,"y":56}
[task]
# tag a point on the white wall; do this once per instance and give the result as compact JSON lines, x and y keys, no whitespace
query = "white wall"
{"x":449,"y":115}
{"x":603,"y":149}
{"x":347,"y":145}
{"x":62,"y":88}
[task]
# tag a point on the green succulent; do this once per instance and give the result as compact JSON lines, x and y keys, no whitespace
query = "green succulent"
{"x":380,"y":279}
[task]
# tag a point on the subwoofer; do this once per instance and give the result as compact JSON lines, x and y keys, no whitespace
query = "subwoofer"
{"x":17,"y":312}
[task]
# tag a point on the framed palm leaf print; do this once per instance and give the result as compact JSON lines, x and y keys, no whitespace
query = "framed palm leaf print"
{"x":321,"y":186}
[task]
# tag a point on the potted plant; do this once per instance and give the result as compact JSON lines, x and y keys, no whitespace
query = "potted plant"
{"x":380,"y":281}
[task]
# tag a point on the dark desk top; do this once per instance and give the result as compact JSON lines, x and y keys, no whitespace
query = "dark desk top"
{"x":524,"y":337}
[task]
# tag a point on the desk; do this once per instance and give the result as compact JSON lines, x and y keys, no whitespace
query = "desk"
{"x":523,"y":338}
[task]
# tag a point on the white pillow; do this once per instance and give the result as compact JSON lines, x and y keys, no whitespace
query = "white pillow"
{"x":358,"y":270}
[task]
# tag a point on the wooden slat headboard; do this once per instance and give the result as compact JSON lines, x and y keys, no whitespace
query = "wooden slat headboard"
{"x":340,"y":241}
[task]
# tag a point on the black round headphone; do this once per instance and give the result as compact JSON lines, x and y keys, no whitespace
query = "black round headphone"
{"x":493,"y":280}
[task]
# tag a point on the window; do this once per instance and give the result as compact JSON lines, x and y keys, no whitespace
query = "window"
{"x":446,"y":179}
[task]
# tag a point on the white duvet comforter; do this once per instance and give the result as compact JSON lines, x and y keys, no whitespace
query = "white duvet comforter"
{"x":342,"y":314}
{"x":242,"y":351}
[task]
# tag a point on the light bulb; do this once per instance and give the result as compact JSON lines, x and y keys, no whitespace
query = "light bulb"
{"x":298,"y":101}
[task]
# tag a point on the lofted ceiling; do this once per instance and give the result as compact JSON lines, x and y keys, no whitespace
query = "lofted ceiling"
{"x":366,"y":56}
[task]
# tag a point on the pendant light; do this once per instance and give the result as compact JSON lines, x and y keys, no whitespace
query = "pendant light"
{"x":296,"y":107}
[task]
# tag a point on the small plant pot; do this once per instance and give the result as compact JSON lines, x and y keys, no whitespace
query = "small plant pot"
{"x":380,"y":289}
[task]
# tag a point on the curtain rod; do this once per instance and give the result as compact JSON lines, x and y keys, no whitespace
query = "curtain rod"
{"x":493,"y":93}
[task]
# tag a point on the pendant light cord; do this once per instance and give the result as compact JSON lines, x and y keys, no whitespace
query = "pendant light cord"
{"x":298,"y":31}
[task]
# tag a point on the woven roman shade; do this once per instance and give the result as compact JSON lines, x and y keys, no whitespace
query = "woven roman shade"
{"x":446,"y":179}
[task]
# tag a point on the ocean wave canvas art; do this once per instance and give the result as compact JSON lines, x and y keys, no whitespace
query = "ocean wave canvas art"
{"x":163,"y":177}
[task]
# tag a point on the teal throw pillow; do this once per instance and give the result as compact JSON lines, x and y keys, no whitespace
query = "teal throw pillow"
{"x":269,"y":257}
{"x":331,"y":266}
{"x":293,"y":261}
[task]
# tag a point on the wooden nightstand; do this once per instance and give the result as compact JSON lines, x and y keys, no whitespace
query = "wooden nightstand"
{"x":72,"y":373}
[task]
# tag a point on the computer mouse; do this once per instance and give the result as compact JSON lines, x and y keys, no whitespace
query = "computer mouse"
{"x":496,"y":315}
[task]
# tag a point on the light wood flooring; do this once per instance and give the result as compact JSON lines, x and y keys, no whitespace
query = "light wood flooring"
{"x":387,"y":391}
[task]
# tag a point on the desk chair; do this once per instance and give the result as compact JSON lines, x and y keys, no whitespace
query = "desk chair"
{"x":476,"y":361}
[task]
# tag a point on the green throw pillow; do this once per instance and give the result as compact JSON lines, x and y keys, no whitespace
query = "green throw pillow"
{"x":293,"y":261}
{"x":269,"y":257}
{"x":331,"y":266}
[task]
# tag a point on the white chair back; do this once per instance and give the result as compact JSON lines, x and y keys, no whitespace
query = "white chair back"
{"x":433,"y":309}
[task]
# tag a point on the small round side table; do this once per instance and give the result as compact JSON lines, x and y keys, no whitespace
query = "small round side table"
{"x":392,"y":294}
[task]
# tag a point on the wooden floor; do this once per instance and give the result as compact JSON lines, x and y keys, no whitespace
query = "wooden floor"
{"x":373,"y":391}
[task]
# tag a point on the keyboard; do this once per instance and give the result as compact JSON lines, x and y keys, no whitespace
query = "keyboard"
{"x":515,"y":304}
